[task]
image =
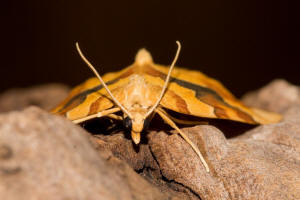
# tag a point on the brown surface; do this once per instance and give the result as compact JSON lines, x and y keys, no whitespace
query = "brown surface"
{"x":44,"y":96}
{"x":277,"y":96}
{"x":47,"y":157}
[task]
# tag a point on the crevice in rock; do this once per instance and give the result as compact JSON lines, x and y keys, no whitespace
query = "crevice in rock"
{"x":172,"y":184}
{"x":179,"y":187}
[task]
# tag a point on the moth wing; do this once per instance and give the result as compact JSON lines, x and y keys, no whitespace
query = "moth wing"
{"x":193,"y":93}
{"x":90,"y":97}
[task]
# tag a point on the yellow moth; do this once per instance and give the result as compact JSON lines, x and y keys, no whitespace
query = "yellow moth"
{"x":144,"y":89}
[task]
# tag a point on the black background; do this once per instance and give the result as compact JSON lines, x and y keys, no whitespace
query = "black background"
{"x":244,"y":44}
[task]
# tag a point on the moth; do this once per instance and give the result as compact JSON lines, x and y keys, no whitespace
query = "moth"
{"x":145,"y":89}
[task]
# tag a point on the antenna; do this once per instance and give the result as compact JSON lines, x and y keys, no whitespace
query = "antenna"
{"x":101,"y":80}
{"x":166,"y":82}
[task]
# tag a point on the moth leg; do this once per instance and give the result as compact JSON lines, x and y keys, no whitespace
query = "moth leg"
{"x":167,"y":119}
{"x":97,"y":115}
{"x":116,"y":117}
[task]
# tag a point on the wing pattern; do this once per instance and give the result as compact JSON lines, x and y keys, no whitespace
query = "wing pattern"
{"x":189,"y":92}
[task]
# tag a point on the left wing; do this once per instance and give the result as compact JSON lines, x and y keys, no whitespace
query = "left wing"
{"x":193,"y":93}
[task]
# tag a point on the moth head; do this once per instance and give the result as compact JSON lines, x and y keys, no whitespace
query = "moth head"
{"x":136,"y":125}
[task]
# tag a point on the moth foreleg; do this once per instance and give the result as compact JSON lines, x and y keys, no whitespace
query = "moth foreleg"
{"x":168,"y":120}
{"x":116,"y":117}
{"x":97,"y":115}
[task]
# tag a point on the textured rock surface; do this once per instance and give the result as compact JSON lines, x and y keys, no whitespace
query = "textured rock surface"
{"x":277,"y":96}
{"x":240,"y":169}
{"x":47,"y":157}
{"x":39,"y":151}
{"x":44,"y":96}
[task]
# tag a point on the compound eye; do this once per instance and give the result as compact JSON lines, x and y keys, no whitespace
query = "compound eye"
{"x":127,"y":123}
{"x":146,"y":123}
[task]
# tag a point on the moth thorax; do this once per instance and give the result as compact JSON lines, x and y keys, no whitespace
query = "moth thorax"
{"x":139,"y":91}
{"x":137,"y":80}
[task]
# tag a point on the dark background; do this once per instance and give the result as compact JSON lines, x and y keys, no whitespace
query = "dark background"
{"x":244,"y":44}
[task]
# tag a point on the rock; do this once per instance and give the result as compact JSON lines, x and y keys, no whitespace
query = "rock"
{"x":181,"y":166}
{"x":138,"y":157}
{"x":44,"y":96}
{"x":277,"y":96}
{"x":292,"y":113}
{"x":240,"y":168}
{"x":286,"y":132}
{"x":47,"y":157}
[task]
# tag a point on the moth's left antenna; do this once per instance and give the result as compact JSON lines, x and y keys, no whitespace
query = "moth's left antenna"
{"x":166,"y":81}
{"x":101,"y":80}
